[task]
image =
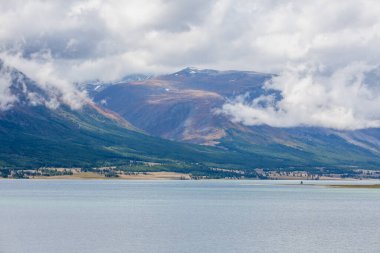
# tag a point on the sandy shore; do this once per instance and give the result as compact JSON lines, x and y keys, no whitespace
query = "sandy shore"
{"x":147,"y":176}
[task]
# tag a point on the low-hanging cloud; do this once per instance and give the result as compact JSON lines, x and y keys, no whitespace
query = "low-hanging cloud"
{"x":6,"y":97}
{"x":325,"y":53}
{"x":39,"y":69}
{"x":347,"y":98}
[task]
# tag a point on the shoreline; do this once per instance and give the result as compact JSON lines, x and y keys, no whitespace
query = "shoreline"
{"x":173,"y":176}
{"x":163,"y":175}
{"x":97,"y":176}
{"x":151,"y":173}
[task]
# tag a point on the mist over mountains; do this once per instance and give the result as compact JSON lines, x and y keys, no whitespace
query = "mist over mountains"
{"x":130,"y":119}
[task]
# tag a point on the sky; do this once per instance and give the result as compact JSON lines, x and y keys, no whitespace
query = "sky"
{"x":325,"y":53}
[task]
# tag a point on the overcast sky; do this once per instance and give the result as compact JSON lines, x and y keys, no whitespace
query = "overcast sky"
{"x":323,"y":50}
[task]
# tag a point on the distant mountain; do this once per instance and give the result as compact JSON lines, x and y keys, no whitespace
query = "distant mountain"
{"x":136,"y":77}
{"x":181,"y":106}
{"x":93,"y":87}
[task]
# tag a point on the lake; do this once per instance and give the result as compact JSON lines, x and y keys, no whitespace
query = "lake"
{"x":56,"y":216}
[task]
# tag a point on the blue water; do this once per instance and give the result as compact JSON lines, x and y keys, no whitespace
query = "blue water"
{"x":48,"y":216}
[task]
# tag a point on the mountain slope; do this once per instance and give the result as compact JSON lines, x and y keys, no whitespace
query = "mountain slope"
{"x":182,"y":106}
{"x":35,"y":132}
{"x":33,"y":135}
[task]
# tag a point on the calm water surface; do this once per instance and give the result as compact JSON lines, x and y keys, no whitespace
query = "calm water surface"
{"x":48,"y":216}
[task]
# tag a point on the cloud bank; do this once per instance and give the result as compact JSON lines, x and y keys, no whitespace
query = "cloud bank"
{"x":57,"y":89}
{"x":325,"y":52}
{"x":346,"y":98}
{"x":330,"y":72}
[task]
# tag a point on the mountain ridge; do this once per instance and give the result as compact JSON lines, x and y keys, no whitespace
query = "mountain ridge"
{"x":182,"y":106}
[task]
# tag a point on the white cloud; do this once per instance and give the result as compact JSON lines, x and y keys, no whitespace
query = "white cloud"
{"x":343,"y":99}
{"x":40,"y":69}
{"x":164,"y":35}
{"x":6,"y":97}
{"x":325,"y":43}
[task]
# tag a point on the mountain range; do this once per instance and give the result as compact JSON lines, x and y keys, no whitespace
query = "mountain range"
{"x":34,"y":134}
{"x":172,"y":120}
{"x":184,"y":106}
